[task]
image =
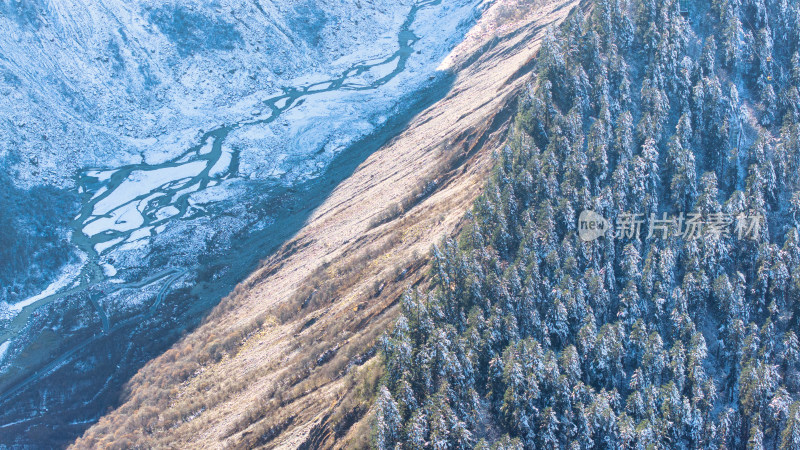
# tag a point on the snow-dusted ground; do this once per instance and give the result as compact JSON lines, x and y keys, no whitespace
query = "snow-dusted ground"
{"x":165,"y":131}
{"x":110,"y":83}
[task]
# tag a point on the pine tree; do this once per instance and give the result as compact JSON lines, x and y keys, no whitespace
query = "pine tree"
{"x":790,"y":438}
{"x":389,"y":422}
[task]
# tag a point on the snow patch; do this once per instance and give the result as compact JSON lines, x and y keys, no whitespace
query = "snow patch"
{"x":68,"y":273}
{"x":109,"y":270}
{"x":222,"y":164}
{"x":142,"y":182}
{"x":3,"y":349}
{"x":103,"y":246}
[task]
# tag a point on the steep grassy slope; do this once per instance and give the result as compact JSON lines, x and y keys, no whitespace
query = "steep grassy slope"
{"x":288,"y":359}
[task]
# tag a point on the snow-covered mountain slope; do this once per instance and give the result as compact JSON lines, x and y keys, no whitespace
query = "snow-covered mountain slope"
{"x":196,"y":137}
{"x":110,"y":82}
